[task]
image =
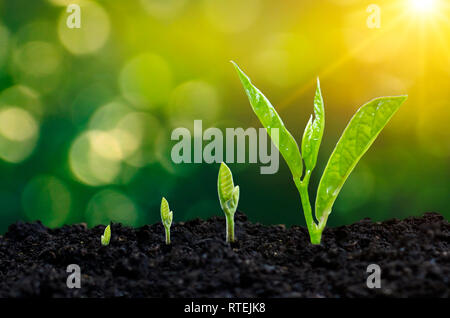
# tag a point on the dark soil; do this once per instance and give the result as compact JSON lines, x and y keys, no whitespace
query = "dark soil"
{"x":267,"y":261}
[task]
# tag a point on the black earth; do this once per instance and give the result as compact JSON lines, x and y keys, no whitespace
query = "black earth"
{"x":266,"y":261}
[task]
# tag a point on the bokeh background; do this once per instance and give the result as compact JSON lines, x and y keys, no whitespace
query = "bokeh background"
{"x":86,"y":114}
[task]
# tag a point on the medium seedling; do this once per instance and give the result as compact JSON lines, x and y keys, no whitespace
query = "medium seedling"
{"x":106,"y":237}
{"x":166,"y":217}
{"x":228,"y":197}
{"x":356,"y":139}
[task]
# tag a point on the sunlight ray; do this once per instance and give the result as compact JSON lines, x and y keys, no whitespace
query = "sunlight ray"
{"x":342,"y":60}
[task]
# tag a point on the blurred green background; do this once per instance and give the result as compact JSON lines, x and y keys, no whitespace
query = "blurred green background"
{"x":86,"y":114}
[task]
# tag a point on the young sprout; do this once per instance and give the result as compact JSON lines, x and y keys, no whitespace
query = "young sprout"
{"x":166,"y":217}
{"x":228,"y":197}
{"x":356,"y":139}
{"x":106,"y":237}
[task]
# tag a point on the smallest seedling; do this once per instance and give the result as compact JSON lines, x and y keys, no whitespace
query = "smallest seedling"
{"x":228,"y":197}
{"x":106,"y":237}
{"x":166,"y":217}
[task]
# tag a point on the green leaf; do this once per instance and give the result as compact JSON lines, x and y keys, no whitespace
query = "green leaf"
{"x":269,"y":118}
{"x":228,"y":193}
{"x":312,"y":137}
{"x":225,"y":184}
{"x":356,"y":139}
{"x":106,"y":237}
{"x":235,"y":196}
{"x":166,"y":214}
{"x":232,"y":203}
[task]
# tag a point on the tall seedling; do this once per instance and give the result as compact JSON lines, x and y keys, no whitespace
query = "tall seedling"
{"x":356,"y":139}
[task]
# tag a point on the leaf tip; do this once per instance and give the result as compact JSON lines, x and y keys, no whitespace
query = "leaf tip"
{"x":242,"y":76}
{"x":237,"y":68}
{"x":164,"y":207}
{"x":223,"y":166}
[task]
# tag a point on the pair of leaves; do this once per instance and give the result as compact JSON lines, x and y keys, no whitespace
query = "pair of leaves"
{"x":228,"y":193}
{"x":286,"y":144}
{"x":166,"y":214}
{"x":358,"y":136}
{"x":106,"y":237}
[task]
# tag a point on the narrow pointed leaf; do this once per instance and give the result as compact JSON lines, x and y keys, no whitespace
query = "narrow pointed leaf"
{"x":356,"y":139}
{"x":312,"y":137}
{"x":269,"y":118}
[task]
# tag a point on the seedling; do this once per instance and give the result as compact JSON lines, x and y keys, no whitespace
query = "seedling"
{"x":228,"y":197}
{"x":356,"y":139}
{"x":106,"y":237}
{"x":166,"y":217}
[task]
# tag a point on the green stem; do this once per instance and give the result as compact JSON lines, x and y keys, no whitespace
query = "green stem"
{"x":230,"y":226}
{"x":167,"y":235}
{"x":315,"y":233}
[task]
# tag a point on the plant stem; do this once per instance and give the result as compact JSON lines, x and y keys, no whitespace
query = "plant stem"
{"x":230,"y":226}
{"x":315,"y":233}
{"x":167,"y":229}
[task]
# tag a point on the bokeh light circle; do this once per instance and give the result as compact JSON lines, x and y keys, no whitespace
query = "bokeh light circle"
{"x":117,"y":136}
{"x":106,"y":145}
{"x":93,"y":33}
{"x":193,"y":100}
{"x":145,"y":129}
{"x":17,"y":124}
{"x":146,"y":81}
{"x":24,"y":97}
{"x":37,"y":58}
{"x":90,"y":165}
{"x":231,"y":16}
{"x":107,"y":116}
{"x":48,"y":199}
{"x":274,"y":66}
{"x":111,"y":205}
{"x":163,"y":9}
{"x":129,"y":132}
{"x":134,"y":132}
{"x":19,"y":132}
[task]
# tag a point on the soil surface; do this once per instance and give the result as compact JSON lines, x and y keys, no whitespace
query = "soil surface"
{"x":266,"y":261}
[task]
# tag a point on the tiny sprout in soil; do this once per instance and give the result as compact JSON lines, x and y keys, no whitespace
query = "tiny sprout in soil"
{"x":228,"y":197}
{"x":106,"y":237}
{"x":356,"y":139}
{"x":166,"y":217}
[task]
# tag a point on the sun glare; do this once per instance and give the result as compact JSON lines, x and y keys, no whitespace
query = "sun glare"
{"x":422,"y":6}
